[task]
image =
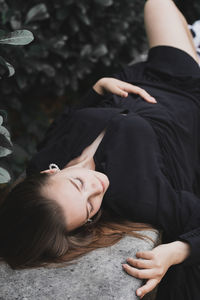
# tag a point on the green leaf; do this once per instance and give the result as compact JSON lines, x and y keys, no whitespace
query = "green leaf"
{"x":4,"y":151}
{"x":21,"y":80}
{"x":15,"y":20}
{"x":44,"y":67}
{"x":73,"y":24}
{"x":4,"y":70}
{"x":6,"y":133}
{"x":11,"y":69}
{"x":83,"y":18}
{"x":100,"y":50}
{"x":82,"y":7}
{"x":104,"y":2}
{"x":4,"y":176}
{"x":4,"y":143}
{"x":4,"y":114}
{"x":106,"y":61}
{"x":18,"y":37}
{"x":86,"y":50}
{"x":37,"y":12}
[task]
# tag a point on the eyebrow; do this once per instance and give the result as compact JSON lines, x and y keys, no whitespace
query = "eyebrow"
{"x":76,"y":186}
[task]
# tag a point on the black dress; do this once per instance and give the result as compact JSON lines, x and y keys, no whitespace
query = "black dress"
{"x":151,"y":155}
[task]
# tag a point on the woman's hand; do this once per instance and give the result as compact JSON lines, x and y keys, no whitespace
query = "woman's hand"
{"x":153,"y":264}
{"x":121,"y":88}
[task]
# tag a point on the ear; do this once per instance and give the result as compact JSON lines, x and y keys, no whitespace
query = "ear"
{"x":50,"y":171}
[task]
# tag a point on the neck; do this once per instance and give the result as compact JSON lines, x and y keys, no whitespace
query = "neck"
{"x":82,"y":162}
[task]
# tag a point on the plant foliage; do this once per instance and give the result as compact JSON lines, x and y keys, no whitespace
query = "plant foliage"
{"x":18,"y":37}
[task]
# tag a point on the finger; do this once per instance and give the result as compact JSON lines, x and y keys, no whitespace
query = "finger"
{"x":140,"y":263}
{"x":145,"y":254}
{"x":121,"y":92}
{"x":141,"y":92}
{"x":148,"y":287}
{"x":141,"y":274}
{"x":146,"y":96}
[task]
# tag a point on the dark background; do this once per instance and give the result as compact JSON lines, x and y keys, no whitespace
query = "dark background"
{"x":76,"y":43}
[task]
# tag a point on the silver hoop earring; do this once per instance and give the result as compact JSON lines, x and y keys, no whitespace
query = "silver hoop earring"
{"x":89,"y":220}
{"x":53,"y":166}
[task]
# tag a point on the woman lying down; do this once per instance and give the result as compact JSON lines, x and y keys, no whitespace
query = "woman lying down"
{"x":125,"y":160}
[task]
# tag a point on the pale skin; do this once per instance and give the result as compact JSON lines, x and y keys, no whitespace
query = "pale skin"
{"x":165,"y":25}
{"x":152,"y":265}
{"x":79,"y":191}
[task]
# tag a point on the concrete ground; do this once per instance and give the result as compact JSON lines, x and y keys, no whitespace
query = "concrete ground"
{"x":98,"y":275}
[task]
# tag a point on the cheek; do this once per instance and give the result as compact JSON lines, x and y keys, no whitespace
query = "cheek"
{"x":97,"y":205}
{"x":75,"y":213}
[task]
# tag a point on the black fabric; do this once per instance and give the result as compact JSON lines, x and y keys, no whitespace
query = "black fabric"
{"x":151,"y":156}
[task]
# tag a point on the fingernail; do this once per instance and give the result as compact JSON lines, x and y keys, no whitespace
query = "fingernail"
{"x":153,"y":100}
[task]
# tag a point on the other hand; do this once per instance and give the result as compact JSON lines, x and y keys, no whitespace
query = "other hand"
{"x":120,"y":88}
{"x":151,"y":265}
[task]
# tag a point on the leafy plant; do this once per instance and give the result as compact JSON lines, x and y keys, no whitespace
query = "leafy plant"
{"x":5,"y":149}
{"x":18,"y":37}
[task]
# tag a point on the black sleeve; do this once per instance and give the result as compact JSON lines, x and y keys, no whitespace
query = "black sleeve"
{"x":91,"y":99}
{"x":178,"y":213}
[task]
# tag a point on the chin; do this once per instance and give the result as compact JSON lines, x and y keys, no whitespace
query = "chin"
{"x":105,"y":178}
{"x":99,"y":205}
{"x":107,"y":182}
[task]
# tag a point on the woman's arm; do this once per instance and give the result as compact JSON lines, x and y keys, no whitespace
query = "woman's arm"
{"x":152,"y":265}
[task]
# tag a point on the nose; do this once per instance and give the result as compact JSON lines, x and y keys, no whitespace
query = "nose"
{"x":96,"y":186}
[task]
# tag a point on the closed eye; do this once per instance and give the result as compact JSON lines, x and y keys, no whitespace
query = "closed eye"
{"x":90,"y":205}
{"x":81,"y":181}
{"x":77,"y":185}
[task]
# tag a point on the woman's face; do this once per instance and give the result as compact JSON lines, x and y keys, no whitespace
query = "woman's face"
{"x":79,"y":191}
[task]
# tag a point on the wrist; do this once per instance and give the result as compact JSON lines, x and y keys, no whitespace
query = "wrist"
{"x":179,"y":251}
{"x":98,"y":87}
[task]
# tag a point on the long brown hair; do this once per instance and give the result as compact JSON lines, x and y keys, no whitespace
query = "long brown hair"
{"x":33,"y":229}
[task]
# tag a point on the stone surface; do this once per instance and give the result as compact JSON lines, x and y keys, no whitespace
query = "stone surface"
{"x":97,"y":275}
